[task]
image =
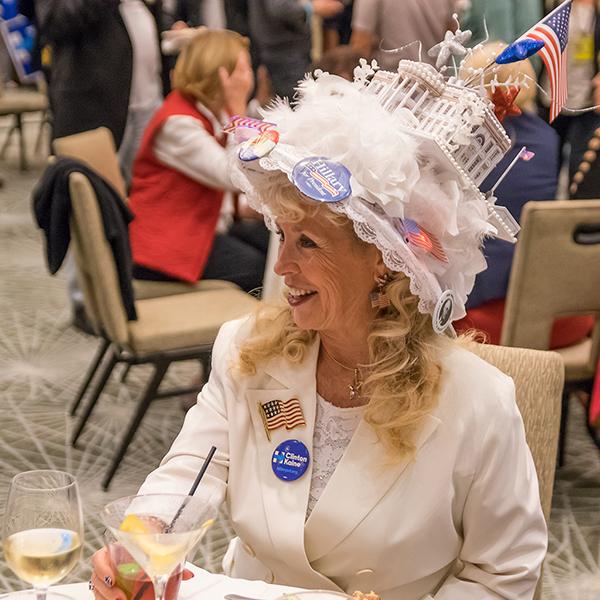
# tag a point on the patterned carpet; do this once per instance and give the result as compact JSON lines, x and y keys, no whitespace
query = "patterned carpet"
{"x":43,"y":359}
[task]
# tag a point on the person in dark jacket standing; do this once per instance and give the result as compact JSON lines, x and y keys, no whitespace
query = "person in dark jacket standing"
{"x":280,"y":33}
{"x":106,"y":67}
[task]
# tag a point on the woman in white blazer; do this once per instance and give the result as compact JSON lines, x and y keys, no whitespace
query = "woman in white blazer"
{"x":358,"y":446}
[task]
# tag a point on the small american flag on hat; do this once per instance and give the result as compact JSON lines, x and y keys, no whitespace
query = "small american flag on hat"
{"x":554,"y":32}
{"x":525,"y":154}
{"x":415,"y":235}
{"x":277,"y":413}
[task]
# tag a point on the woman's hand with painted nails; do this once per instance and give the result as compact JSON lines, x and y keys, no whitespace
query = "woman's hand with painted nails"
{"x":103,"y":578}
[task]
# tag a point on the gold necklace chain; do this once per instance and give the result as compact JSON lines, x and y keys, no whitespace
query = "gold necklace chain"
{"x":357,"y":382}
{"x":337,"y":362}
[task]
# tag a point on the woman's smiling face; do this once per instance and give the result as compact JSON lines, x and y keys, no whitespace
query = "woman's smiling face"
{"x":329,"y":273}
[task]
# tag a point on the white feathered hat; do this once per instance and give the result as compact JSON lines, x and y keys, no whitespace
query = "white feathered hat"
{"x":401,"y":155}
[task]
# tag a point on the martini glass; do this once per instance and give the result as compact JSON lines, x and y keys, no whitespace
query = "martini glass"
{"x":158,"y":530}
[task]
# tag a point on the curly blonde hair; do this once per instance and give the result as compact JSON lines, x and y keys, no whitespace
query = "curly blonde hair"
{"x":404,"y":370}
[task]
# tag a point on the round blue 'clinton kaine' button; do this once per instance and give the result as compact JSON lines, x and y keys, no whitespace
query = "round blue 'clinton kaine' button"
{"x":290,"y":460}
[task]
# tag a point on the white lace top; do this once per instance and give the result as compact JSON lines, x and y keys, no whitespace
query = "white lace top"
{"x":334,"y":428}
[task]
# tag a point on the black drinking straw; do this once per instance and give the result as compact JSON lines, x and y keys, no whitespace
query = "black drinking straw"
{"x":192,"y":491}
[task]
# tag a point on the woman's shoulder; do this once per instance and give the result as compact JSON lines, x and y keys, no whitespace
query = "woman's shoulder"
{"x":473,"y":388}
{"x":459,"y":358}
{"x":232,"y":334}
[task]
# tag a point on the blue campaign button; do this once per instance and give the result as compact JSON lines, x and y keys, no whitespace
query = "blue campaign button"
{"x":321,"y":179}
{"x":290,"y":460}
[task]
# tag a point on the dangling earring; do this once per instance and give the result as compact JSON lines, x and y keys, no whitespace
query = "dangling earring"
{"x":379,"y":299}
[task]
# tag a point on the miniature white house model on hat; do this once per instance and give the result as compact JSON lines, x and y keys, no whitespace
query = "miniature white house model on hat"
{"x":459,"y":120}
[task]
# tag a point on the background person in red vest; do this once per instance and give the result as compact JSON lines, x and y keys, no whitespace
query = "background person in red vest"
{"x":181,"y":173}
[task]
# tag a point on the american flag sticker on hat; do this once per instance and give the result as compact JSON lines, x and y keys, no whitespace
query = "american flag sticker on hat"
{"x":419,"y":237}
{"x":280,"y":413}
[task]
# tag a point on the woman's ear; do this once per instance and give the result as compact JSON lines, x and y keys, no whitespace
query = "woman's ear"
{"x":380,"y":267}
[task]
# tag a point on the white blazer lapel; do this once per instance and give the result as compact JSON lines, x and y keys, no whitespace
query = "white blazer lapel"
{"x":361,"y":478}
{"x":285,"y":502}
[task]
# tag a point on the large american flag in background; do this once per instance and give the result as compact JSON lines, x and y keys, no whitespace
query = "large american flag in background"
{"x":554,"y":32}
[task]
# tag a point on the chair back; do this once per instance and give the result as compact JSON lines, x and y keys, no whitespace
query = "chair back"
{"x":95,"y":263}
{"x":538,"y":378}
{"x":555,"y":272}
{"x":97,"y":149}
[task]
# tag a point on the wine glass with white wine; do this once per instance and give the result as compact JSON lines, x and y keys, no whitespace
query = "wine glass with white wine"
{"x":43,"y":528}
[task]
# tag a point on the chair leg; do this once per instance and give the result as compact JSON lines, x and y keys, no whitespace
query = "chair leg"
{"x":102,"y":348}
{"x":7,"y":140}
{"x":562,"y":436}
{"x":591,"y":428}
{"x":40,"y":135}
{"x":125,"y":373}
{"x":206,"y":365}
{"x":108,"y":368}
{"x":22,"y":153}
{"x":159,"y":372}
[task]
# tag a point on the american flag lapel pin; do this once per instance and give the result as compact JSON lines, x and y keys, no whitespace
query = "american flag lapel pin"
{"x":264,"y":420}
{"x":279,"y":413}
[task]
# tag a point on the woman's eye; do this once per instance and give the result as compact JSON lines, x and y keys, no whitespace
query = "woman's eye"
{"x":306,"y":242}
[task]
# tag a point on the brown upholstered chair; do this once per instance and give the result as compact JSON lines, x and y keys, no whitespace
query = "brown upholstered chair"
{"x":556,"y":272}
{"x":538,"y":378}
{"x":168,"y":329}
{"x":96,"y":148}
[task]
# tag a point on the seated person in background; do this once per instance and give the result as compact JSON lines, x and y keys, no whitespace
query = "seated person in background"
{"x":181,"y":172}
{"x":358,"y":449}
{"x":535,"y":179}
{"x":585,"y":184}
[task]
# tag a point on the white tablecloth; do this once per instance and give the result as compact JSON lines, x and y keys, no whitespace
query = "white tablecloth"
{"x":203,"y":586}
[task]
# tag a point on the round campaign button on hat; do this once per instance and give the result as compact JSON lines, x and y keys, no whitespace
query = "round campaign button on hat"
{"x":290,"y":460}
{"x":442,"y":313}
{"x":322,"y":179}
{"x":259,"y":146}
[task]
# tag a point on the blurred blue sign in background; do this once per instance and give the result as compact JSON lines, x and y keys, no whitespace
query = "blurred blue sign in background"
{"x":18,"y":35}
